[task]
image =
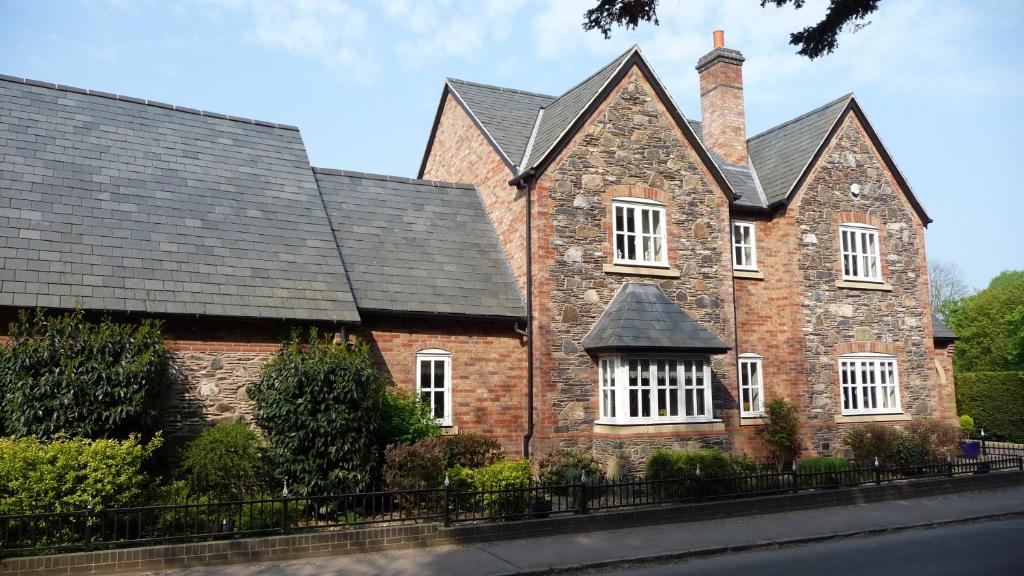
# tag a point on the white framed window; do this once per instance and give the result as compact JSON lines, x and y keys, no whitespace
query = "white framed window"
{"x":639,"y":232}
{"x":654,"y":389}
{"x":744,"y":246}
{"x":434,"y":383}
{"x":859,"y":252}
{"x":869,"y":384}
{"x":751,"y":385}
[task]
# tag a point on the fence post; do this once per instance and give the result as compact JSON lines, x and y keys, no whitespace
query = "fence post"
{"x":984,"y":452}
{"x":878,"y":472}
{"x":700,"y":484}
{"x":1020,"y":462}
{"x":581,"y":504}
{"x":796,"y":479}
{"x":446,"y":519}
{"x":88,"y":526}
{"x":284,"y":508}
{"x":949,"y":465}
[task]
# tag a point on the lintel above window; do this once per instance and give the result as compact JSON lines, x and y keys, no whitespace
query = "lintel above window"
{"x":639,"y":232}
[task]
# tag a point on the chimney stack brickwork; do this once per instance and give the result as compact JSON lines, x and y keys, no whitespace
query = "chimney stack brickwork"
{"x":721,"y":102}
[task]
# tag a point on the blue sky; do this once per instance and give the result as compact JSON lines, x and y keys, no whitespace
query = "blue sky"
{"x":941,"y":81}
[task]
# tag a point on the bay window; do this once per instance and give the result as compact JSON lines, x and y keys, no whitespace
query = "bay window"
{"x":869,"y":384}
{"x":639,"y":389}
{"x":639,"y":237}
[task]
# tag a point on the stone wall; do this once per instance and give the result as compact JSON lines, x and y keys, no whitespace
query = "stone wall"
{"x":630,"y":147}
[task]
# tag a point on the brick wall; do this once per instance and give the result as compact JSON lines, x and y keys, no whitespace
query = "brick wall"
{"x":488,"y":369}
{"x":722,"y":115}
{"x":460,"y":153}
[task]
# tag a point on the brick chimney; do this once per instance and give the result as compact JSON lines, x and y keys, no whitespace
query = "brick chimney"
{"x":721,"y":102}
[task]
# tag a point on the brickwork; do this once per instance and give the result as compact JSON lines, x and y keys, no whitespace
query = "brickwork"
{"x":722,"y":116}
{"x":460,"y":153}
{"x":488,"y":370}
{"x":630,"y":147}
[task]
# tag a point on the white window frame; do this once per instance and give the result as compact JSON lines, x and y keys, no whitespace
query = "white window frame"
{"x":615,"y":399}
{"x":738,"y":243}
{"x":869,"y":383}
{"x":857,"y":255}
{"x":749,"y":366}
{"x":639,"y":207}
{"x":435,"y":355}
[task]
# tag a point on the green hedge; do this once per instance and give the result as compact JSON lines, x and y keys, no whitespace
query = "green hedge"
{"x":996,"y":402}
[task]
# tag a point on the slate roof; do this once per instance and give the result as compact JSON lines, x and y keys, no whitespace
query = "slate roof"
{"x":641,"y":316}
{"x":418,"y":246}
{"x":121,"y":204}
{"x":508,"y":115}
{"x":939,"y":329}
{"x":781,"y":154}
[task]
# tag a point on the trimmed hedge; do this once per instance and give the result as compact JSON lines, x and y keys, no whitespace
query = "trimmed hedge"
{"x":996,"y":402}
{"x":225,"y":463}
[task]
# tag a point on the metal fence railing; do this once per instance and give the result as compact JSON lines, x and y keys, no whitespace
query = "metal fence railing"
{"x":96,"y":529}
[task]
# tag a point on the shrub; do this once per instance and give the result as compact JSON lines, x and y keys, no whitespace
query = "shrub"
{"x":471,"y":450}
{"x":563,"y":467}
{"x":827,"y":472}
{"x":69,"y":474}
{"x":993,"y":400}
{"x":404,"y":419}
{"x":61,"y":374}
{"x":503,"y":487}
{"x":318,"y":404}
{"x":670,"y":465}
{"x":935,"y":438}
{"x":224,"y":463}
{"x":873,"y":440}
{"x":966,"y":425}
{"x":782,"y":430}
{"x":424,"y":463}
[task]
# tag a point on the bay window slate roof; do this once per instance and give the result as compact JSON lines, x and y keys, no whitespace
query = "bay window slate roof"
{"x":641,"y":316}
{"x":418,"y":246}
{"x":120,"y":204}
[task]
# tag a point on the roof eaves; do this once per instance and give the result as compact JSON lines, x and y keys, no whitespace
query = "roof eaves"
{"x":533,"y":137}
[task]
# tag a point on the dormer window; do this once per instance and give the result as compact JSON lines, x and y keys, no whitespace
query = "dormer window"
{"x":744,"y":248}
{"x":639,"y":232}
{"x":859,"y":253}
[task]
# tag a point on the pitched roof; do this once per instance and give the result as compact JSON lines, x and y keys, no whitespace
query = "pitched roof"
{"x":121,"y":204}
{"x":418,"y":246}
{"x":641,"y":316}
{"x":781,"y":154}
{"x":506,"y":114}
{"x":939,"y":329}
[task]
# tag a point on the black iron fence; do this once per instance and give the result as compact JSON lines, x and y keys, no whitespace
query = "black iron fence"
{"x":94,"y":529}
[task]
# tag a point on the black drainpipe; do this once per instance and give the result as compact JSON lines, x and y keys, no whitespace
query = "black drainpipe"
{"x":520,"y":184}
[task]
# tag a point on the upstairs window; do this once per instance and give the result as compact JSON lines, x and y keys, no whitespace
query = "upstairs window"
{"x":859,"y":253}
{"x":434,"y":383}
{"x":744,"y":250}
{"x":654,"y":390}
{"x":639,"y":232}
{"x":869,"y":384}
{"x":751,"y":386}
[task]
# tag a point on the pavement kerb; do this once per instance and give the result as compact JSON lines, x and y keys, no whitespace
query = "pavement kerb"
{"x":755,"y":546}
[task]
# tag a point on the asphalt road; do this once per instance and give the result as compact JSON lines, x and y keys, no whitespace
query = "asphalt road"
{"x":983,"y":548}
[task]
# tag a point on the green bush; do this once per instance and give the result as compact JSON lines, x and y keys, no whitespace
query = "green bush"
{"x":61,"y":374}
{"x":319,"y":405}
{"x":967,"y":426}
{"x":781,"y":431}
{"x":920,"y":441}
{"x":70,"y":474}
{"x":873,"y":440}
{"x":503,"y":487}
{"x":471,"y":450}
{"x":563,"y":467}
{"x":993,"y":399}
{"x":404,"y":419}
{"x":681,"y":466}
{"x":424,"y":463}
{"x":225,"y":463}
{"x":827,"y":472}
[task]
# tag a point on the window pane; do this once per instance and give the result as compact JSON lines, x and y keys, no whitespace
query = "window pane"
{"x":438,"y":404}
{"x":631,"y":248}
{"x":738,"y":256}
{"x":424,"y":373}
{"x":438,"y":373}
{"x":648,"y":254}
{"x":645,"y":221}
{"x":630,"y":217}
{"x":620,"y":246}
{"x":657,"y":249}
{"x":656,"y":218}
{"x":620,"y":221}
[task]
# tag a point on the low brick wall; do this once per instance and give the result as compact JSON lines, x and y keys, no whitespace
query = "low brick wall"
{"x":336,"y":543}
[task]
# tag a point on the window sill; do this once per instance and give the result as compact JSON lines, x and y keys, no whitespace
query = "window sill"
{"x":854,"y":418}
{"x":615,"y":429}
{"x":752,"y":420}
{"x":861,"y":285}
{"x":751,"y":274}
{"x":641,"y":270}
{"x":449,"y":430}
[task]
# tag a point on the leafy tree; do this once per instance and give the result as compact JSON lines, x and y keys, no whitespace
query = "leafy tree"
{"x":990,"y":326}
{"x":945,"y":286}
{"x":61,"y":374}
{"x":814,"y":41}
{"x":319,"y":405}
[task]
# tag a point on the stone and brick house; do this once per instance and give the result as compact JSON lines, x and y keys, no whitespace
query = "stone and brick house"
{"x":587,"y":270}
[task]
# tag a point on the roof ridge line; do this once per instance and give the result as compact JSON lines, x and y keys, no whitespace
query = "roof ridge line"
{"x":634,"y":47}
{"x":846,"y":96}
{"x":144,"y":102}
{"x":390,"y":178}
{"x":502,"y":88}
